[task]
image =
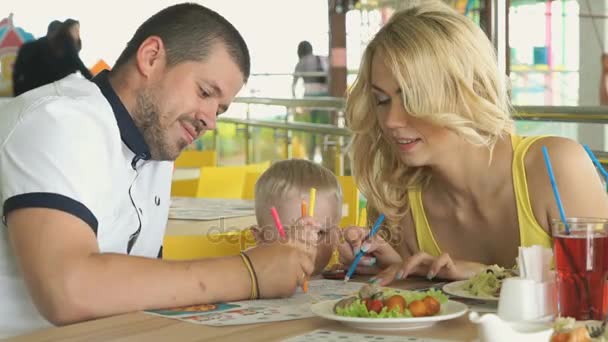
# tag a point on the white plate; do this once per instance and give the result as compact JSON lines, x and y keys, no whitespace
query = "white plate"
{"x":456,"y":289}
{"x":449,"y":310}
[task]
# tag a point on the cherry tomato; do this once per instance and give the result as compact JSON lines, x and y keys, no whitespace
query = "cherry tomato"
{"x":374,"y":305}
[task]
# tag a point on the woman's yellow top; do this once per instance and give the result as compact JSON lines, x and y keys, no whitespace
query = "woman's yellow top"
{"x":530,"y":232}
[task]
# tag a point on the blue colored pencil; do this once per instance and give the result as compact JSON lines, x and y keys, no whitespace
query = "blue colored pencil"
{"x":359,"y":255}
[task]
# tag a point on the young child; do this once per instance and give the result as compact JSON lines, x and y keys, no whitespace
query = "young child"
{"x":285,"y":186}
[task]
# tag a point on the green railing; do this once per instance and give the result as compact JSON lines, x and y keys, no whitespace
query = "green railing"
{"x":334,"y":138}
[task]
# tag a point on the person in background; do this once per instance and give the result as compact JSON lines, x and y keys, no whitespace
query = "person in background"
{"x":309,"y":62}
{"x":26,"y":66}
{"x":85,"y":177}
{"x":50,"y":59}
{"x":314,"y":86}
{"x":65,"y":48}
{"x":434,"y":150}
{"x":285,"y":186}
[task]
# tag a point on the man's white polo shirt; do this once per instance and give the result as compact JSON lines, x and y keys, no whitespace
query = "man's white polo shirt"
{"x":72,"y":146}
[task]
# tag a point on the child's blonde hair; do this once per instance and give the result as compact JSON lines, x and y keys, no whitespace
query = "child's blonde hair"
{"x":447,"y":73}
{"x":286,"y":176}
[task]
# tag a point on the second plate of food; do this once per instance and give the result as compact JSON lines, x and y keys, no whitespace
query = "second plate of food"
{"x":459,"y":289}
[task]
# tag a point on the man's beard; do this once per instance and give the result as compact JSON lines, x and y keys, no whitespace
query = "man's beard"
{"x":148,"y":119}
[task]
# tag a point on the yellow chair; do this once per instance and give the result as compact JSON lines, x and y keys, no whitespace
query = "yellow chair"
{"x":191,"y":159}
{"x":257,"y":167}
{"x":350,"y":200}
{"x":249,"y":186}
{"x":221,"y":182}
{"x":184,"y":188}
{"x":226,"y":181}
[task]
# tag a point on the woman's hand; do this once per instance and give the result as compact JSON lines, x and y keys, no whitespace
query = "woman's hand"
{"x":423,"y":264}
{"x":378,"y":252}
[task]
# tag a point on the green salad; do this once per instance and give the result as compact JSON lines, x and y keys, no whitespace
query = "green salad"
{"x":488,"y":282}
{"x":392,"y":303}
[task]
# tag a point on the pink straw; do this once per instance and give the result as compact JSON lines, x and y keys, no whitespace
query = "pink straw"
{"x":277,"y":222}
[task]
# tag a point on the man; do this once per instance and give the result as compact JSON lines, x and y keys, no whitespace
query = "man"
{"x":308,"y":62}
{"x":27,"y":66}
{"x":85,"y":177}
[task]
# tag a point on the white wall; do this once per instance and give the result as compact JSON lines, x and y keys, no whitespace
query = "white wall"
{"x":272,"y":28}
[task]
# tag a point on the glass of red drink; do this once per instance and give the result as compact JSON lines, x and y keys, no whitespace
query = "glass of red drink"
{"x":581,"y":263}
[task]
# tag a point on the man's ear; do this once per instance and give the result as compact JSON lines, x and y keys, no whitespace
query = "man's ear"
{"x":150,"y":55}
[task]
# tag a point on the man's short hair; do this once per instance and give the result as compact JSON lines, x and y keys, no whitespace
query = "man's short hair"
{"x":189,"y":32}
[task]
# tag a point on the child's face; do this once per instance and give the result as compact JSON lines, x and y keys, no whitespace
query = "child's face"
{"x":327,"y":213}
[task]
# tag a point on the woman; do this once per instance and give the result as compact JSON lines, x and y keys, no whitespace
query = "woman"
{"x":459,"y":188}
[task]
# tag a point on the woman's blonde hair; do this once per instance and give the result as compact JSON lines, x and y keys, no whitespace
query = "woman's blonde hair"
{"x":447,"y":72}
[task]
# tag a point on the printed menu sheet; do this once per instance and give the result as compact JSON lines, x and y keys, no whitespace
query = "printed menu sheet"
{"x":266,"y":310}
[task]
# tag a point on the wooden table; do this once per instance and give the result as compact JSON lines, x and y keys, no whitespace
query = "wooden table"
{"x":142,"y":327}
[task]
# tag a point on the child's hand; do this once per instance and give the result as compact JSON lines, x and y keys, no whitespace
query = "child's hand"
{"x":379,"y":253}
{"x":423,"y":264}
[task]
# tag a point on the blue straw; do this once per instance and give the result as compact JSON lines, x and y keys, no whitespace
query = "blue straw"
{"x":597,"y":163}
{"x":359,"y":255}
{"x":555,"y":191}
{"x":468,"y":7}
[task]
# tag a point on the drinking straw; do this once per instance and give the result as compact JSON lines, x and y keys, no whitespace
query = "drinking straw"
{"x":597,"y":163}
{"x":359,"y":255}
{"x":312,"y":198}
{"x":277,"y":222}
{"x":569,"y":257}
{"x":558,"y":199}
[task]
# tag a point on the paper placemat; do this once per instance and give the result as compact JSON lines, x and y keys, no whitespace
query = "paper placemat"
{"x":339,"y":336}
